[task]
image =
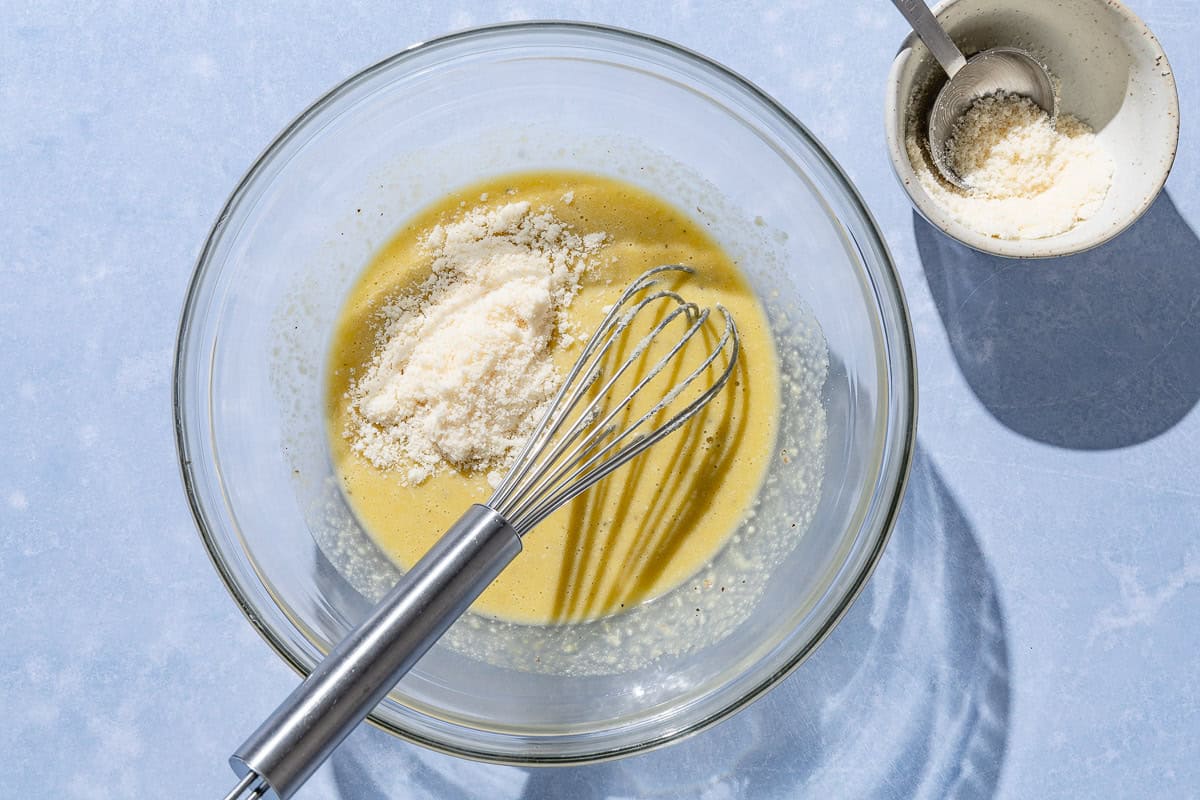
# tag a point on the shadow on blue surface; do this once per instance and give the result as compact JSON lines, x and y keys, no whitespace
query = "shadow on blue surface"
{"x":1094,"y":351}
{"x":908,"y":698}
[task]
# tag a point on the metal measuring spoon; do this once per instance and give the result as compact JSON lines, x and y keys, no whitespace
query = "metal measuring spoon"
{"x":1000,"y":69}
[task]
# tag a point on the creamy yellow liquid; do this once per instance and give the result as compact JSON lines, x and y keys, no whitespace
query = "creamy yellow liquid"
{"x":649,"y":526}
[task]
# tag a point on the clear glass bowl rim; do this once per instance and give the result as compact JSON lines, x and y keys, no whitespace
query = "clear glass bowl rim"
{"x":899,"y":440}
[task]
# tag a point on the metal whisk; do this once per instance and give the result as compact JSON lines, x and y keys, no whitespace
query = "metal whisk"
{"x":582,"y":437}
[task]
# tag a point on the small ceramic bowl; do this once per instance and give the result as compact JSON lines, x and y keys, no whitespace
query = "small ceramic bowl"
{"x":1114,"y":76}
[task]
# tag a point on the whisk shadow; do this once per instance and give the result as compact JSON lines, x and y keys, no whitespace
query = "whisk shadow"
{"x":704,"y":449}
{"x":1095,"y":351}
{"x":909,"y":697}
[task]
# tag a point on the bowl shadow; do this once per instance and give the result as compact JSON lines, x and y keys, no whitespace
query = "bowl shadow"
{"x":909,"y":697}
{"x":1094,"y":351}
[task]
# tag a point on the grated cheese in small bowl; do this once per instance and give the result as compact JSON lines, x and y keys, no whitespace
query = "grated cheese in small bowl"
{"x":1029,"y":178}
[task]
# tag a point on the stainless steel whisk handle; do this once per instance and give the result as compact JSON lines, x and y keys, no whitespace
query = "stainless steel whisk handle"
{"x":301,"y":733}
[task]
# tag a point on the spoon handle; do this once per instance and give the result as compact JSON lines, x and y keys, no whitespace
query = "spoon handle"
{"x":926,"y":26}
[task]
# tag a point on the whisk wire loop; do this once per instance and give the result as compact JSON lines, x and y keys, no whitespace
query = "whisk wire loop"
{"x":577,"y":443}
{"x":585,"y":421}
{"x":583,"y":479}
{"x":548,"y":426}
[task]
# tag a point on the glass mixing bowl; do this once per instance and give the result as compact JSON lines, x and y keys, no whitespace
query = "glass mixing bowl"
{"x":249,"y":377}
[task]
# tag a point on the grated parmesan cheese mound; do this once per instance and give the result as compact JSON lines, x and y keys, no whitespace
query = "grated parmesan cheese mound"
{"x":1029,"y":179}
{"x":463,"y":368}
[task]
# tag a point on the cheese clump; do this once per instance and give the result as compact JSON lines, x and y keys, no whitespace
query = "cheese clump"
{"x":1028,"y":179}
{"x":463,"y":366}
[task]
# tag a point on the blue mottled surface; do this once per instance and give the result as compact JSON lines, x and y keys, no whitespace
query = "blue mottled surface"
{"x":1031,"y":632}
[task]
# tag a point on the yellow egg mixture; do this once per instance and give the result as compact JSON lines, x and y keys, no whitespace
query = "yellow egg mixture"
{"x":652,"y":524}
